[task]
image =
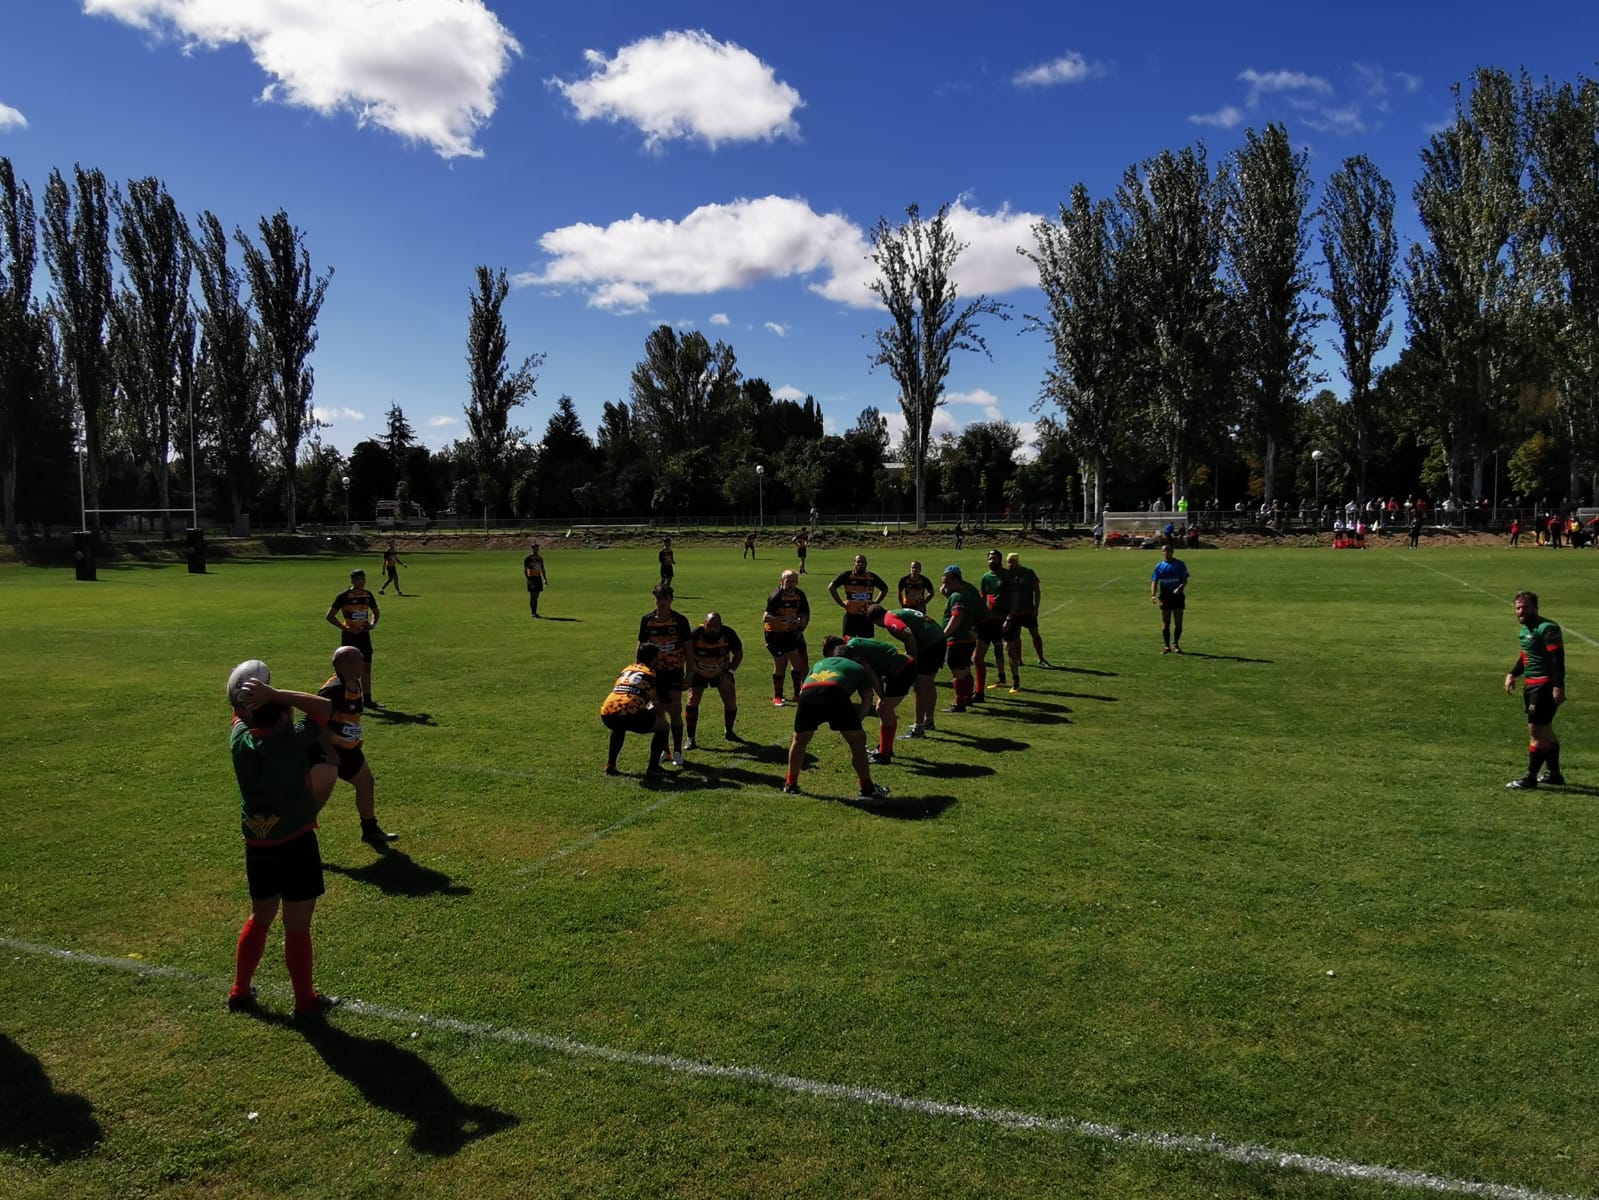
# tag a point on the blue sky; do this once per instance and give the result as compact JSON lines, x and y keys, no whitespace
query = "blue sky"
{"x":710,"y":166}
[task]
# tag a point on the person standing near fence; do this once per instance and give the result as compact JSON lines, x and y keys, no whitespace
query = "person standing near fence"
{"x":1168,"y":587}
{"x":537,"y":577}
{"x":1515,"y":531}
{"x":1541,"y":666}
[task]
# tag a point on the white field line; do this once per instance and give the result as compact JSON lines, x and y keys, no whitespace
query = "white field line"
{"x":584,"y":843}
{"x":1209,"y":1146}
{"x":1495,"y":596}
{"x":1072,"y":599}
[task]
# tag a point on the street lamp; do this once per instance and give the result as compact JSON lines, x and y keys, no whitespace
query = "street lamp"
{"x":1315,"y":457}
{"x":345,"y":480}
{"x":760,"y":488}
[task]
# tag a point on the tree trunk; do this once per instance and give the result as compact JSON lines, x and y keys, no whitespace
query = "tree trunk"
{"x":1271,"y":469}
{"x":8,"y":486}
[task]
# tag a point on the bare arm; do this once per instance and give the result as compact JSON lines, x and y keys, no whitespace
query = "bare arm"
{"x":255,"y":693}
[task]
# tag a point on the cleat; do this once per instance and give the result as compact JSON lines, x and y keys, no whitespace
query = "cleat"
{"x":1525,"y":784}
{"x":977,"y":698}
{"x":790,"y":789}
{"x":956,"y":708}
{"x":690,"y":745}
{"x":1176,"y":649}
{"x":375,"y":835}
{"x":777,"y":702}
{"x":243,"y":1002}
{"x":876,"y":792}
{"x":730,"y":735}
{"x":915,"y":731}
{"x":610,"y":769}
{"x":878,"y":759}
{"x":1045,"y":663}
{"x":1017,"y":690}
{"x":1165,"y":649}
{"x":317,"y":1009}
{"x":677,"y":759}
{"x":1553,"y":779}
{"x":928,"y":724}
{"x":995,"y":686}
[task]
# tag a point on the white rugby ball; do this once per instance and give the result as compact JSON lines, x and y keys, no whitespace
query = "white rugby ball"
{"x":252,"y":668}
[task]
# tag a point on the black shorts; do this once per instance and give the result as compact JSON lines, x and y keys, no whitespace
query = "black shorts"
{"x":291,"y":869}
{"x":826,"y":705}
{"x":781,"y":645}
{"x":642,"y":721}
{"x":361,"y":641}
{"x":991,"y":630}
{"x":959,"y":655}
{"x":1015,"y":624}
{"x":858,"y":625}
{"x":1174,"y":602}
{"x":668,"y":679}
{"x":713,"y":682}
{"x":900,"y":682}
{"x":535,"y":585}
{"x":930,"y":658}
{"x":1539,"y":699}
{"x":351,"y":762}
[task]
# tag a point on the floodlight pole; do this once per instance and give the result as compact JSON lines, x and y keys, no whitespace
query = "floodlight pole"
{"x":1315,"y":457}
{"x":345,"y":480}
{"x":760,"y":488}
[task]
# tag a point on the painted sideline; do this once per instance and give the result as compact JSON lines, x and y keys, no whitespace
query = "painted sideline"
{"x":1210,"y":1146}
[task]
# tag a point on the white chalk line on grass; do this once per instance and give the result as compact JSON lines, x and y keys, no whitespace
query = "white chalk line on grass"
{"x":1210,"y":1146}
{"x":1070,"y":600}
{"x":584,"y":843}
{"x":1496,"y":596}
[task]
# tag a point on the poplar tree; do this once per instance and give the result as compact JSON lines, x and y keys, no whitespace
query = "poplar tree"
{"x":228,"y":372}
{"x":495,"y":389}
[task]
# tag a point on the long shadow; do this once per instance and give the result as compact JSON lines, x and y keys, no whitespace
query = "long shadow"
{"x":1575,"y":789}
{"x":393,"y":716}
{"x":402,"y":1082}
{"x":37,"y":1119}
{"x":397,"y":874}
{"x":1033,"y":712}
{"x":562,"y":620}
{"x":1088,"y":696}
{"x":911,"y":808}
{"x":948,"y":770}
{"x":1228,"y":657}
{"x":1078,"y":671}
{"x":988,"y":745}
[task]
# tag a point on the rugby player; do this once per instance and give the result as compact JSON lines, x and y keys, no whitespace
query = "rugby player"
{"x":1541,"y":666}
{"x":787,"y":614}
{"x":667,"y":629}
{"x":631,"y":706}
{"x":717,"y":651}
{"x":354,"y":613}
{"x":827,"y":697}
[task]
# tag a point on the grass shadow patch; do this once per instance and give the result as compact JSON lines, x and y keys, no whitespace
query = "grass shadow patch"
{"x":396,"y":873}
{"x":35,"y":1119}
{"x":897,"y":808}
{"x":395,"y":716}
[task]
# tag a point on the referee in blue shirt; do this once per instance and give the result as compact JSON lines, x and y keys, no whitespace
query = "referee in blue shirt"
{"x":1168,"y":587}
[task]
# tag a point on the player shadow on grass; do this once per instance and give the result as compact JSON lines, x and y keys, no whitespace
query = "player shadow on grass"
{"x":393,"y":716}
{"x":401,"y":1081}
{"x":988,"y":745}
{"x":1570,"y":789}
{"x":1228,"y":658}
{"x":901,"y":808}
{"x":1078,"y":671}
{"x":397,"y":874}
{"x":35,"y":1119}
{"x":1034,"y":712}
{"x":943,"y":770}
{"x":562,"y":620}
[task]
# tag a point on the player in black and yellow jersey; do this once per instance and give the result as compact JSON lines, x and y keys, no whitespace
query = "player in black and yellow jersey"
{"x":632,"y":706}
{"x":749,"y":545}
{"x":718,"y":651}
{"x":787,"y":614}
{"x":915,"y":589}
{"x":862,"y":589}
{"x":537,"y":577}
{"x":354,"y":613}
{"x":391,"y":571}
{"x":668,"y":562}
{"x":667,"y":630}
{"x":341,"y":743}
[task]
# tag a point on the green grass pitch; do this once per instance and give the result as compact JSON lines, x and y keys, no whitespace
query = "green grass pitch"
{"x":1272,"y":893}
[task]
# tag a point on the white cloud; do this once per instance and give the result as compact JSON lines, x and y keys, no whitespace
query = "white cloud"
{"x":980,"y":398}
{"x":720,"y":319}
{"x":686,"y":85}
{"x":443,"y":422}
{"x":1261,"y":82}
{"x":1342,"y":120}
{"x":789,"y":392}
{"x":943,"y":422}
{"x":424,"y":69}
{"x":332,"y":416}
{"x":10,"y":118}
{"x":774,"y":327}
{"x":1223,"y":118}
{"x":1028,"y":450}
{"x":724,"y":246}
{"x":1071,"y":67}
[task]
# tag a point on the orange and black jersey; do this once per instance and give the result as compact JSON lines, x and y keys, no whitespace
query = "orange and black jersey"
{"x":357,"y":609}
{"x":670,"y":633}
{"x":916,"y":591}
{"x":862,"y":589}
{"x":533,"y":568}
{"x":786,"y":611}
{"x":632,"y":692}
{"x":344,"y":723}
{"x":714,"y":651}
{"x":390,"y":558}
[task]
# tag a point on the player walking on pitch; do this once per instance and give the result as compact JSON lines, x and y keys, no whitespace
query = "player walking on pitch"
{"x":1541,"y":666}
{"x":1168,"y":587}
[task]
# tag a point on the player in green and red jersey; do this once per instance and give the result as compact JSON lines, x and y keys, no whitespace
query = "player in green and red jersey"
{"x":897,"y":670}
{"x":631,"y":707}
{"x":923,"y":640}
{"x":354,"y":613}
{"x":827,"y":697}
{"x":343,"y":741}
{"x":668,"y":630}
{"x":963,"y":605}
{"x":1541,"y":666}
{"x":990,"y":625}
{"x":279,"y":799}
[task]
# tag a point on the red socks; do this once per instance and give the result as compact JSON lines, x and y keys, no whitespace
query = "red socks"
{"x":297,"y":957}
{"x":247,"y":956}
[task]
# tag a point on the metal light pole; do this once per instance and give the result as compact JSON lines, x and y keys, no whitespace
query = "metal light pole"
{"x":345,"y":480}
{"x":760,"y":489}
{"x":1315,"y":457}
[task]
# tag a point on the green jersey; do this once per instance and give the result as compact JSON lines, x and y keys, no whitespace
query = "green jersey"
{"x":1022,"y":587}
{"x":927,"y":633}
{"x":964,"y":606}
{"x":886,"y":658}
{"x":995,"y":593}
{"x":275,"y":802}
{"x":1543,"y":654}
{"x":835,"y":673}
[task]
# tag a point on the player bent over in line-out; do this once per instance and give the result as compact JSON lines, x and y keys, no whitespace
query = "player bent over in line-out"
{"x":632,"y":707}
{"x":827,"y":697}
{"x":1542,"y":667}
{"x":342,"y":743}
{"x":897,"y":670}
{"x":923,"y":640}
{"x":717,"y":651}
{"x":280,"y":798}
